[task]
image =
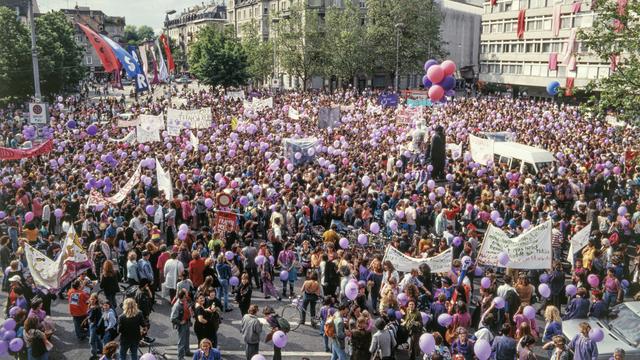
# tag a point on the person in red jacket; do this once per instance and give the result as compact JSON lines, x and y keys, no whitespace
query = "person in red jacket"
{"x":78,"y":308}
{"x":196,"y":269}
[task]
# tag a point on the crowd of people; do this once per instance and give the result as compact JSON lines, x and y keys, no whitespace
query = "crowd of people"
{"x":292,"y":222}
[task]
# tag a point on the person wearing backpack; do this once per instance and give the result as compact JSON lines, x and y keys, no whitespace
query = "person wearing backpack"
{"x":276,"y":323}
{"x":338,"y":334}
{"x":383,"y":342}
{"x":110,"y":321}
{"x":35,"y":340}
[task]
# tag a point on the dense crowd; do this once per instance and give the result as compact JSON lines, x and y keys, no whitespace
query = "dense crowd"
{"x":292,"y":221}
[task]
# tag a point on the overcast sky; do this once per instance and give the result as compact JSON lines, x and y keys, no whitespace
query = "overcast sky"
{"x":136,"y":12}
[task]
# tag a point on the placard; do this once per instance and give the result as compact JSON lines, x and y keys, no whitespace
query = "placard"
{"x":529,"y":251}
{"x":223,"y":221}
{"x":578,"y":241}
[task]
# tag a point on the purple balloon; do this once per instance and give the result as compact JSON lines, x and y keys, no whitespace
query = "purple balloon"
{"x":498,"y":302}
{"x":284,"y":275}
{"x":229,"y":255}
{"x":280,"y":339}
{"x":593,"y":280}
{"x":426,"y":82}
{"x":150,"y":210}
{"x":344,"y":243}
{"x":429,"y":63}
{"x":351,"y":290}
{"x":233,"y":281}
{"x":9,"y":324}
{"x":448,"y":83}
{"x":403,"y":299}
{"x":427,"y":343}
{"x":596,"y":334}
{"x":425,"y":318}
{"x":478,"y":271}
{"x":544,"y":278}
{"x":16,"y":344}
{"x":529,"y":312}
{"x":92,"y":130}
{"x":544,"y":290}
{"x":374,"y":227}
{"x":503,"y":258}
{"x":362,"y":239}
{"x":457,"y":241}
{"x":482,"y":349}
{"x":485,"y":282}
{"x":4,"y":347}
{"x":445,"y":319}
{"x":571,"y":290}
{"x":8,"y":335}
{"x":398,"y":314}
{"x":208,"y":203}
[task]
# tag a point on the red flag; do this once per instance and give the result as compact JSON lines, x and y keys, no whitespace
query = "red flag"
{"x":167,"y":52}
{"x":107,"y":57}
{"x":17,"y":154}
{"x":568,"y":89}
{"x":521,"y":24}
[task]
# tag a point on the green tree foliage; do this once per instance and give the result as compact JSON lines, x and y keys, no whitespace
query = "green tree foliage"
{"x":259,"y":52}
{"x":217,"y":58}
{"x":60,"y":57}
{"x":420,"y":36}
{"x":298,"y":42}
{"x":135,"y":35}
{"x":16,"y":79}
{"x":344,"y":42}
{"x":616,"y":32}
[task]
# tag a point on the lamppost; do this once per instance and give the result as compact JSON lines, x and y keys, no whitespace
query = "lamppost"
{"x":34,"y":52}
{"x":399,"y":27}
{"x":274,"y":22}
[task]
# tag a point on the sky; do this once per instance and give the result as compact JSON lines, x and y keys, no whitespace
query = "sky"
{"x":136,"y":12}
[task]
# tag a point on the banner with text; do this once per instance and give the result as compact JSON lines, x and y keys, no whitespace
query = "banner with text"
{"x":223,"y":221}
{"x":401,"y":262}
{"x":128,"y":123}
{"x":152,"y":121}
{"x":145,"y":134}
{"x":96,"y":198}
{"x":17,"y":154}
{"x":234,"y":95}
{"x":481,"y":149}
{"x":388,"y":100}
{"x":529,"y":251}
{"x":578,"y":241}
{"x":130,"y":138}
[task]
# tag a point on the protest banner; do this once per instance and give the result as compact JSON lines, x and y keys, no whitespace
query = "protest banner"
{"x":401,"y":262}
{"x":388,"y":100}
{"x":96,"y":198}
{"x":145,"y":134}
{"x":191,"y":119}
{"x":44,"y":271}
{"x":481,"y":149}
{"x":17,"y":154}
{"x":195,"y":142}
{"x":528,"y":251}
{"x":328,"y":117}
{"x":164,"y":181}
{"x":128,"y":123}
{"x":408,"y":115}
{"x":151,"y":121}
{"x":293,"y":146}
{"x":419,"y":103}
{"x":234,"y":95}
{"x":293,"y":113}
{"x":578,"y":241}
{"x":174,"y":122}
{"x":501,"y":136}
{"x":223,"y":221}
{"x":130,"y":138}
{"x":456,"y":150}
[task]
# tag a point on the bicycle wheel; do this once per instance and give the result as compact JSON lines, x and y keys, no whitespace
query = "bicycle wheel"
{"x":159,"y":355}
{"x":292,"y":314}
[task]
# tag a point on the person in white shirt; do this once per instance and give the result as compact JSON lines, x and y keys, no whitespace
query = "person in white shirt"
{"x":410,"y":215}
{"x":172,"y":269}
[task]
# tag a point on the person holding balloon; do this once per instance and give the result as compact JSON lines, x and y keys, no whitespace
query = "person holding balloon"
{"x":583,"y":347}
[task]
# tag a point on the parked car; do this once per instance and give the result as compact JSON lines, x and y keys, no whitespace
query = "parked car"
{"x":621,"y":330}
{"x":183,"y":80}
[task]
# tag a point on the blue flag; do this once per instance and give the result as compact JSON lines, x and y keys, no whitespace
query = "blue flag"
{"x":130,"y":64}
{"x":388,"y":100}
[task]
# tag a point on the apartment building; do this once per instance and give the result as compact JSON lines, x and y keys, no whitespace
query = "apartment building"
{"x":529,"y":43}
{"x":183,"y":28}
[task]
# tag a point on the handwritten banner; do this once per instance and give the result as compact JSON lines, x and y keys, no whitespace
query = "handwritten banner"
{"x":401,"y":262}
{"x":145,"y":134}
{"x":481,"y":149}
{"x":152,"y":121}
{"x":223,"y":221}
{"x":531,"y":250}
{"x":96,"y":198}
{"x":192,"y":119}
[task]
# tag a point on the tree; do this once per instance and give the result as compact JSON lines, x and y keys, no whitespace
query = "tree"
{"x":178,"y":54}
{"x":259,"y":52}
{"x":59,"y":56}
{"x":344,"y":43}
{"x":145,"y":32}
{"x":298,"y":43}
{"x":135,"y":35}
{"x":16,"y":76}
{"x":217,"y":58}
{"x":419,"y":39}
{"x":615,"y":35}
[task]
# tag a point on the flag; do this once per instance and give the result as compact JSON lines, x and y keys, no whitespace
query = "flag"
{"x":164,"y":75}
{"x":234,"y":123}
{"x":143,"y":57}
{"x":131,"y":66}
{"x":167,"y":52}
{"x":104,"y":51}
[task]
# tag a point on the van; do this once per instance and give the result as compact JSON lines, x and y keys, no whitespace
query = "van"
{"x":520,"y":157}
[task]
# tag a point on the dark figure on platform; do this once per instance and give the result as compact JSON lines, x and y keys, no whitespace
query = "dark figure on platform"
{"x":437,"y":153}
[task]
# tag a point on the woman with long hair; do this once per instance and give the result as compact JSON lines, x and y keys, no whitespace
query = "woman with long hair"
{"x":109,"y":282}
{"x":35,"y":340}
{"x":553,"y":323}
{"x":130,"y":325}
{"x":582,"y":345}
{"x":310,"y":296}
{"x":266,"y":275}
{"x":94,"y":316}
{"x":132,"y":268}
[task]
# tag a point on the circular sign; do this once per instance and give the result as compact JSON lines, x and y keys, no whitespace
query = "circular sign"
{"x":37,"y":109}
{"x":224,"y":200}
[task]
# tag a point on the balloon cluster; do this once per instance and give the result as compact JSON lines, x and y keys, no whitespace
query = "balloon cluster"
{"x":8,"y":339}
{"x":439,"y":79}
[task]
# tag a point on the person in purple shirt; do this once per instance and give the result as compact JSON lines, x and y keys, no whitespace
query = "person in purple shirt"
{"x":582,"y":346}
{"x":598,"y":308}
{"x":438,"y":308}
{"x":579,"y":306}
{"x":504,"y":346}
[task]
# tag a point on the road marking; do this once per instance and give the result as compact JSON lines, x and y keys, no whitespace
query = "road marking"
{"x":173,"y":351}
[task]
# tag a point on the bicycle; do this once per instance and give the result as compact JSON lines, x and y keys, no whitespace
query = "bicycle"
{"x":151,"y":349}
{"x":293,"y":313}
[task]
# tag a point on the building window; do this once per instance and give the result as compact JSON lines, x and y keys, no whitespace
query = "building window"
{"x":526,"y":69}
{"x":562,"y":71}
{"x":88,"y":60}
{"x":603,"y":72}
{"x":565,"y":22}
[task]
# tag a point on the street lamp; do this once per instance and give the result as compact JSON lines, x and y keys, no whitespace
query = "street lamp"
{"x":274,"y":22}
{"x":399,"y":27}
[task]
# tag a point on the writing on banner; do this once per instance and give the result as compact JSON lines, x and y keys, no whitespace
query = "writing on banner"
{"x":481,"y":149}
{"x":145,"y":134}
{"x":182,"y":119}
{"x":401,"y":262}
{"x":17,"y":154}
{"x":293,"y":113}
{"x":529,"y":251}
{"x":152,"y":121}
{"x":234,"y":95}
{"x":408,"y":115}
{"x":578,"y":241}
{"x":223,"y":221}
{"x":388,"y":100}
{"x":456,"y":150}
{"x":174,"y":124}
{"x":96,"y":198}
{"x":44,"y":271}
{"x":130,"y":138}
{"x":164,"y":181}
{"x":419,"y":103}
{"x":128,"y":123}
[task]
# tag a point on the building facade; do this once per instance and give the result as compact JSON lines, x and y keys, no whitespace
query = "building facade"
{"x":111,"y":26}
{"x":527,"y":44}
{"x":20,"y":6}
{"x":183,"y":29}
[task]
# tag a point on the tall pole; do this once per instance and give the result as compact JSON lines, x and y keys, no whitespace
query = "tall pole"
{"x":398,"y":27}
{"x":34,"y":52}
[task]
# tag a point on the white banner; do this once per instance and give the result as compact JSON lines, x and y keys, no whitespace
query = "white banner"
{"x":194,"y":141}
{"x":293,"y":113}
{"x":481,"y":149}
{"x":234,"y":95}
{"x":401,"y":262}
{"x":152,"y":121}
{"x":531,"y":250}
{"x":130,"y":138}
{"x":578,"y":241}
{"x":164,"y":181}
{"x":145,"y":134}
{"x":192,"y":119}
{"x":44,"y":271}
{"x":128,"y":123}
{"x":258,"y":104}
{"x":174,"y":124}
{"x":456,"y":150}
{"x":96,"y":198}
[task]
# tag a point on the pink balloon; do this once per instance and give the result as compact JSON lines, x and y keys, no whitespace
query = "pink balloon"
{"x":435,"y":74}
{"x":28,"y":217}
{"x":436,"y":92}
{"x":593,"y":280}
{"x":448,"y":66}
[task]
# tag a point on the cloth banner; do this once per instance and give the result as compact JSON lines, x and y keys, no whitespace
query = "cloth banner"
{"x":222,"y":222}
{"x":578,"y":241}
{"x":234,"y":95}
{"x":167,"y":52}
{"x":44,"y":271}
{"x":164,"y":181}
{"x":302,"y":146}
{"x":481,"y":149}
{"x":174,"y":124}
{"x":194,"y":141}
{"x":388,"y":100}
{"x":164,"y":74}
{"x":96,"y":198}
{"x":182,"y":119}
{"x":145,"y":134}
{"x":130,"y":138}
{"x":131,"y":66}
{"x":328,"y":117}
{"x":17,"y":154}
{"x":401,"y":262}
{"x":128,"y":123}
{"x":529,"y":251}
{"x":293,"y":113}
{"x":408,"y":115}
{"x":502,"y":136}
{"x":456,"y":150}
{"x":419,"y":103}
{"x":152,"y":121}
{"x":107,"y":57}
{"x":258,"y":104}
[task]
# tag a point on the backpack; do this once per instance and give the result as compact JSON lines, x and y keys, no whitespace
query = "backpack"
{"x":402,"y":335}
{"x":38,"y":347}
{"x":283,"y":324}
{"x":330,"y":328}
